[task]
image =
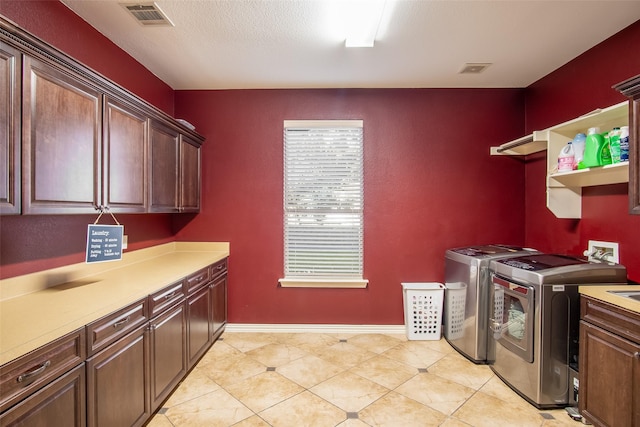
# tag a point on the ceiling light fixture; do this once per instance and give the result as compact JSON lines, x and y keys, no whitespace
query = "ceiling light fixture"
{"x":363,"y":20}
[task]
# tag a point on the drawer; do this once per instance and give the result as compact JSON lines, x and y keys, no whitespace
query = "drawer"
{"x":613,"y":318}
{"x":165,"y":298}
{"x":110,"y":328}
{"x":197,"y":279}
{"x":218,"y":269}
{"x":30,"y":372}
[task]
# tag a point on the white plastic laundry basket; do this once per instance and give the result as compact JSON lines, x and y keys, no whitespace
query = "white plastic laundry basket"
{"x":455,"y":298}
{"x":423,"y":310}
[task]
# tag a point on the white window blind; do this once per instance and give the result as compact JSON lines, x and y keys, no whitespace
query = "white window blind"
{"x":323,"y":199}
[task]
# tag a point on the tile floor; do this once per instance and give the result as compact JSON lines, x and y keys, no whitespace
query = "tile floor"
{"x":347,"y":380}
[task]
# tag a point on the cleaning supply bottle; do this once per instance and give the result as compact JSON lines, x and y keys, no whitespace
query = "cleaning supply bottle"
{"x":624,"y":144}
{"x":566,"y":158}
{"x":578,"y":148}
{"x":604,"y":155}
{"x":614,"y":145}
{"x":592,"y":148}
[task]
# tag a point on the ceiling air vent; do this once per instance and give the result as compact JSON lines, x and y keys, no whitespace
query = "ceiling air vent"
{"x":148,"y":14}
{"x":474,"y":68}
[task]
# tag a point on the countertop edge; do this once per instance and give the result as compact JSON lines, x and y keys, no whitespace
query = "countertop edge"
{"x":602,"y":293}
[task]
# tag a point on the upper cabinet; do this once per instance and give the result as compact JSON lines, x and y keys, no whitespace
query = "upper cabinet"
{"x":631,"y":89}
{"x":61,"y":142}
{"x":564,"y":189}
{"x":10,"y":69}
{"x":72,"y":141}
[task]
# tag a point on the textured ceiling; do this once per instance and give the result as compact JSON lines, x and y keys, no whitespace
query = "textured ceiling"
{"x":236,"y":44}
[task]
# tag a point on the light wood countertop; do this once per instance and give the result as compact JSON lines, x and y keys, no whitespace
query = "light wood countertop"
{"x":40,"y":307}
{"x":602,"y":293}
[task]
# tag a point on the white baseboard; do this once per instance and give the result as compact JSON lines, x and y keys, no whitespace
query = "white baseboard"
{"x":314,"y":328}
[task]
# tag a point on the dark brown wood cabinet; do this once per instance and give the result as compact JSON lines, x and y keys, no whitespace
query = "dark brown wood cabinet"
{"x":72,"y":141}
{"x":175,"y":171}
{"x":168,"y":352}
{"x":199,"y":324}
{"x":61,"y":143}
{"x":125,"y":146}
{"x":61,"y":403}
{"x":609,"y":364}
{"x":10,"y":91}
{"x":118,"y":382}
{"x":631,"y":89}
{"x":219,"y":305}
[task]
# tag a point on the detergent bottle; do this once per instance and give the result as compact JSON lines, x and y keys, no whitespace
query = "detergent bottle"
{"x":593,"y":146}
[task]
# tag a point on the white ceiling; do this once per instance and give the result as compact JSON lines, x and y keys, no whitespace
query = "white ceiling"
{"x":243,"y":44}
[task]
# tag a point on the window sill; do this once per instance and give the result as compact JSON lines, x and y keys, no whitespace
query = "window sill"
{"x":324,"y":283}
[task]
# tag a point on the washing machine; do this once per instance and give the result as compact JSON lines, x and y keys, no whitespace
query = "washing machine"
{"x":466,"y":309}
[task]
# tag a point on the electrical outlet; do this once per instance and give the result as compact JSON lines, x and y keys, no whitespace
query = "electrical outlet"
{"x":603,"y":251}
{"x":125,"y":242}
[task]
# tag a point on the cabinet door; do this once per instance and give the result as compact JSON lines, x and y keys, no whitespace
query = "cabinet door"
{"x":219,"y":303}
{"x":634,"y":153}
{"x":198,"y":324}
{"x":189,"y":175}
{"x":125,"y":158}
{"x":62,"y":118}
{"x":61,"y":403}
{"x":164,"y":179}
{"x":609,"y":378}
{"x":118,"y":382}
{"x":168,"y":353}
{"x":10,"y":68}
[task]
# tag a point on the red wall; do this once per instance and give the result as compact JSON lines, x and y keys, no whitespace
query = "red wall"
{"x":580,"y":86}
{"x":430,"y":184}
{"x":34,"y":243}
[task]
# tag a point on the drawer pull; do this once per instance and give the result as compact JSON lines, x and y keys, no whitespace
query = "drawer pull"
{"x":221,"y":266}
{"x":121,"y":322}
{"x":171,"y":295}
{"x":636,"y":354}
{"x":22,"y":378}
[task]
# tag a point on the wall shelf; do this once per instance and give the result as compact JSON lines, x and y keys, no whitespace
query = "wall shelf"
{"x":564,"y":189}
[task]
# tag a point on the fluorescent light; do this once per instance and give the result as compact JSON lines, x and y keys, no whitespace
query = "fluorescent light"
{"x":362,"y":21}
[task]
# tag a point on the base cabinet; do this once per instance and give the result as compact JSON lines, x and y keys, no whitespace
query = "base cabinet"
{"x":168,"y":353}
{"x":609,"y":365}
{"x":199,"y":325}
{"x":61,"y":403}
{"x":118,"y":382}
{"x":219,"y":304}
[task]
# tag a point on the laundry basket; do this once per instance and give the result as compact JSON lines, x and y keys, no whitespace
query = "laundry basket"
{"x":423,"y":310}
{"x":455,"y":299}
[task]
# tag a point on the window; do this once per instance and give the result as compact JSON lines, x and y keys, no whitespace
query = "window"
{"x":323,"y":203}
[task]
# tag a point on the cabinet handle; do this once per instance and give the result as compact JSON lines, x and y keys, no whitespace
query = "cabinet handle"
{"x":220,"y":267}
{"x":170,"y":295}
{"x":22,"y":378}
{"x":636,"y":354}
{"x":121,"y":322}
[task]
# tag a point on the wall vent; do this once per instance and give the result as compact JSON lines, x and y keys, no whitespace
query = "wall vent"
{"x":148,"y":14}
{"x":474,"y":68}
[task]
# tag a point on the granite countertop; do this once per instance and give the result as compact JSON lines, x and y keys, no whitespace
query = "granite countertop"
{"x":602,"y":293}
{"x":41,"y":307}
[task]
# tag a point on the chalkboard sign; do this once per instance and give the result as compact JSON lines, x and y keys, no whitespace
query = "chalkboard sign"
{"x":104,"y":242}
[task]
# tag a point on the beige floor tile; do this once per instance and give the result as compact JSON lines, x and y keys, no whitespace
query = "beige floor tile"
{"x":344,"y":354}
{"x":482,"y":410}
{"x":417,"y":356}
{"x":308,"y":342}
{"x":349,"y":391}
{"x":254,"y":421}
{"x":460,"y":370}
{"x":452,"y":422}
{"x":309,"y":370}
{"x":195,"y":385}
{"x":277,"y":354}
{"x":353,"y":422}
{"x":384,"y":371}
{"x":247,"y":341}
{"x":395,"y":410}
{"x":304,"y":409}
{"x":230,"y":370}
{"x":436,"y":392}
{"x":160,"y":421}
{"x":216,"y":409}
{"x":264,"y":390}
{"x":560,"y":419}
{"x":377,"y":343}
{"x":497,"y":388}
